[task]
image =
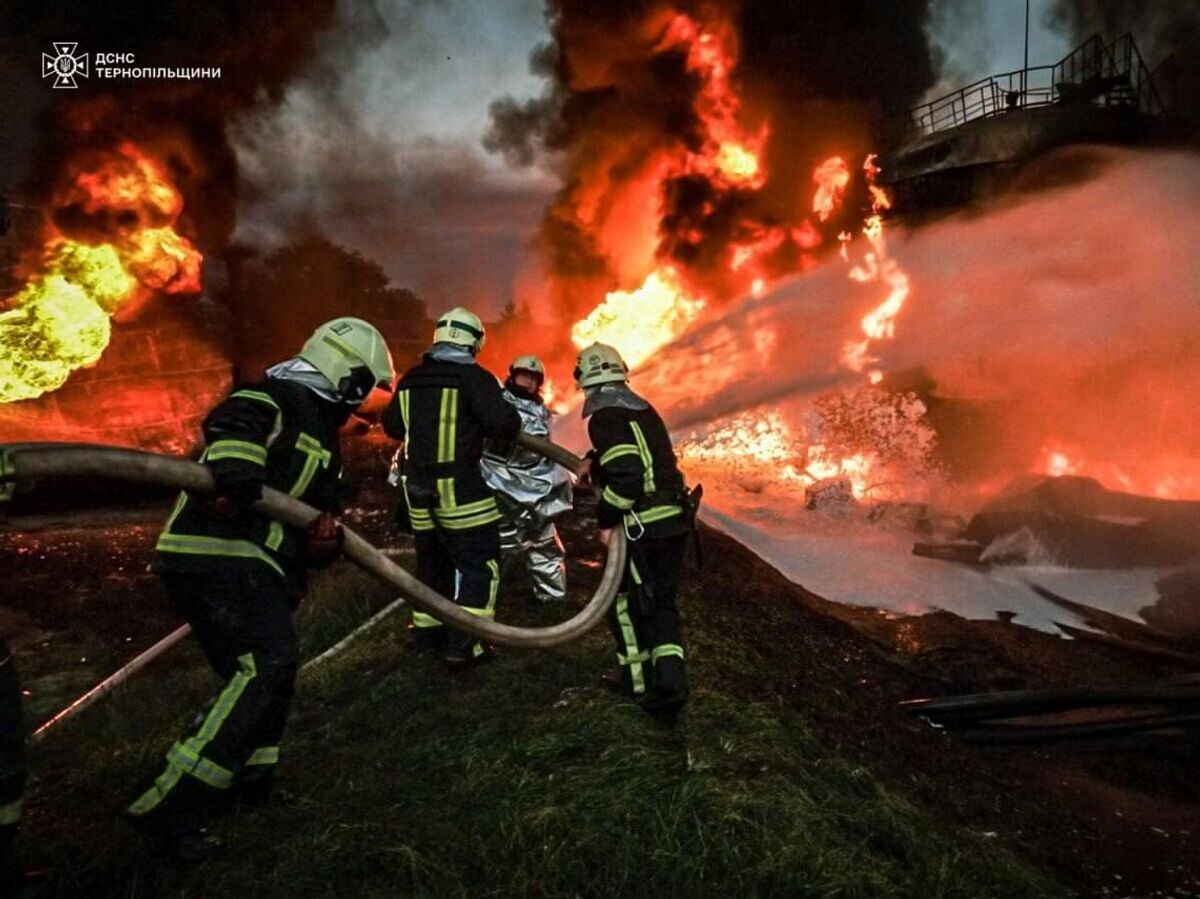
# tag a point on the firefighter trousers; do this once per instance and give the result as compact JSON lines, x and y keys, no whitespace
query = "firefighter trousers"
{"x":12,"y":762}
{"x":242,"y":618}
{"x":644,"y":619}
{"x":537,"y":541}
{"x":463,"y":565}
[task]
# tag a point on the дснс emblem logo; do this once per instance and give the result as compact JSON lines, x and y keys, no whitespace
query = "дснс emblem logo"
{"x":65,"y":65}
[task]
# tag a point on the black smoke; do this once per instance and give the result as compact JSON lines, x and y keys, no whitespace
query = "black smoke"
{"x":824,"y":74}
{"x":257,"y":44}
{"x":1167,"y":33}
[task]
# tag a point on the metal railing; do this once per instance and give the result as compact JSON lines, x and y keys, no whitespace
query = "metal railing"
{"x":1094,"y":73}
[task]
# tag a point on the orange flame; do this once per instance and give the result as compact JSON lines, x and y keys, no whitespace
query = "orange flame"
{"x":638,"y":322}
{"x":765,"y":448}
{"x":831,"y":177}
{"x":59,"y":321}
{"x":730,"y":154}
{"x":876,"y":266}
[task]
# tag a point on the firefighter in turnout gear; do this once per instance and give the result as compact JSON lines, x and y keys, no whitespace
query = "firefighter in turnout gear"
{"x":236,"y":575}
{"x":442,"y":411}
{"x":530,"y":489}
{"x":14,"y":881}
{"x":642,"y":491}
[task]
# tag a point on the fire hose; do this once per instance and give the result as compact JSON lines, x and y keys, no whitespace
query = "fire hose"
{"x":23,"y":466}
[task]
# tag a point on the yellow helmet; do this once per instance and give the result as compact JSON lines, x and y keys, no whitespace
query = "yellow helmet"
{"x":353,"y":355}
{"x":599,"y":364}
{"x":462,"y":327}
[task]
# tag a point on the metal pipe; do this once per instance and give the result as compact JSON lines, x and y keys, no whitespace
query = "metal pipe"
{"x":354,"y":634}
{"x":965,"y":711}
{"x":1113,"y":727}
{"x":116,"y":678}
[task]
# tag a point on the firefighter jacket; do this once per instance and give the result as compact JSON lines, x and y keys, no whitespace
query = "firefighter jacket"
{"x":277,"y":433}
{"x":639,"y":478}
{"x":443,"y":410}
{"x":538,"y":487}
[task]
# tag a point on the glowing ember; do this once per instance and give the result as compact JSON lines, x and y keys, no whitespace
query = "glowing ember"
{"x":1057,"y":463}
{"x":59,"y":321}
{"x":638,"y":322}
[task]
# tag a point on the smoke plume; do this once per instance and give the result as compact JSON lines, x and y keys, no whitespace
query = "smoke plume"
{"x":1166,"y":31}
{"x":258,"y":46}
{"x":638,"y":91}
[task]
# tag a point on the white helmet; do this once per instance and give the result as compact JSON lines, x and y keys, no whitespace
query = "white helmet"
{"x":599,"y":364}
{"x":461,"y":327}
{"x":353,"y":355}
{"x":531,"y":364}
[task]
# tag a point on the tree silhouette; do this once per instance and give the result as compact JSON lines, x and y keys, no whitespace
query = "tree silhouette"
{"x":280,"y":298}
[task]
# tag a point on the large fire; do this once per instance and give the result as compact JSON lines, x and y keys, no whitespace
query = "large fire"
{"x":641,"y":320}
{"x":124,"y":207}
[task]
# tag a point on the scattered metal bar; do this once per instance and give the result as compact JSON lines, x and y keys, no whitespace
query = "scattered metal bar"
{"x":1151,"y":651}
{"x":960,"y":710}
{"x":115,"y":679}
{"x":354,"y":634}
{"x":1116,"y":625}
{"x":1001,"y":733}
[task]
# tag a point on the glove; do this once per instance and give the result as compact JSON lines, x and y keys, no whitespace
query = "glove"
{"x":583,"y":474}
{"x":325,"y":539}
{"x":220,"y":506}
{"x":232,"y":498}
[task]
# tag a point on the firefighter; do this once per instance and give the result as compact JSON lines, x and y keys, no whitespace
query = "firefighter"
{"x":13,"y":880}
{"x":642,"y":491}
{"x":442,"y":411}
{"x":530,"y":489}
{"x":237,"y":575}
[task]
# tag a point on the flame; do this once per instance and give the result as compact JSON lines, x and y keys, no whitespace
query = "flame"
{"x":730,"y":153}
{"x":765,"y":448}
{"x":1164,"y":477}
{"x":638,"y":322}
{"x":876,"y":267}
{"x":831,"y":177}
{"x":59,"y":321}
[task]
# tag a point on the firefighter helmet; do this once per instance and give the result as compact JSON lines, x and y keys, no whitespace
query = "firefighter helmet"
{"x":461,"y":327}
{"x":531,"y":364}
{"x":353,"y":355}
{"x":599,"y":364}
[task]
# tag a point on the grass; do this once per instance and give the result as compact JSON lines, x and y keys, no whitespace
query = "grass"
{"x":522,"y":778}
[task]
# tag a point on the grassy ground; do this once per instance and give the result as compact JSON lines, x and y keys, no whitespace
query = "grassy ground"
{"x":526,"y":777}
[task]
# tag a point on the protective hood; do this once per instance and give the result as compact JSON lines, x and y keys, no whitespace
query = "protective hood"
{"x":304,"y":372}
{"x":520,"y":393}
{"x":609,"y":396}
{"x":449,"y":352}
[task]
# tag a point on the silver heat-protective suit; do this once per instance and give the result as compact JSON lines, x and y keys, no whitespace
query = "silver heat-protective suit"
{"x":531,"y":492}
